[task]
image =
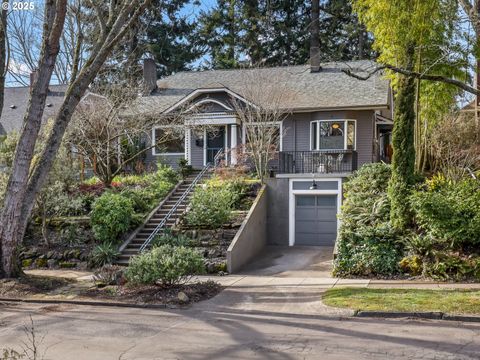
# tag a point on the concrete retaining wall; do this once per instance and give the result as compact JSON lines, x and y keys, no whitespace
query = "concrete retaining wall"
{"x":252,"y":236}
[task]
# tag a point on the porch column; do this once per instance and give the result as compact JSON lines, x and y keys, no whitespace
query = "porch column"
{"x":234,"y":144}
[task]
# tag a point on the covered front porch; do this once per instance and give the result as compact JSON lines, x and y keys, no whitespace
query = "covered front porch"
{"x":206,"y":138}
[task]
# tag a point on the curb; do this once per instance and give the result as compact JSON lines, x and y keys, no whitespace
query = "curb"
{"x":417,"y":315}
{"x":90,"y":303}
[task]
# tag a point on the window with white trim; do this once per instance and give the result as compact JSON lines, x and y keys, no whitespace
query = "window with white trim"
{"x":168,"y":141}
{"x":332,"y":135}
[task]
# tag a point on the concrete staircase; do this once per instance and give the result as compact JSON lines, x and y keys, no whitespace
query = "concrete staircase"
{"x":132,"y":246}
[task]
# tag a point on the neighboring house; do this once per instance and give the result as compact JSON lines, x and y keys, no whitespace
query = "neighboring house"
{"x":16,"y":101}
{"x":336,"y":123}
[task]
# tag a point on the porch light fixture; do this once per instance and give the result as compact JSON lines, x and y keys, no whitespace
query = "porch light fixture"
{"x":335,"y":126}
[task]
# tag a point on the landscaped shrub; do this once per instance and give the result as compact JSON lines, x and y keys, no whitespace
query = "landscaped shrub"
{"x":368,"y":250}
{"x":449,"y":212}
{"x":103,"y":254}
{"x":185,"y":169}
{"x":168,"y":265}
{"x":167,"y":237}
{"x":111,"y":217}
{"x":210,"y":207}
{"x":367,"y":244}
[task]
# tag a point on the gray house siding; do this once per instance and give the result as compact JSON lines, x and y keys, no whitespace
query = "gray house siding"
{"x":296,"y":131}
{"x":196,"y":152}
{"x":171,"y":160}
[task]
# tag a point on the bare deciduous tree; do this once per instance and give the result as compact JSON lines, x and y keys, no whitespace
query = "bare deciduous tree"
{"x":454,"y":146}
{"x":104,"y":123}
{"x":262,"y":116}
{"x":24,"y":32}
{"x":114,"y":19}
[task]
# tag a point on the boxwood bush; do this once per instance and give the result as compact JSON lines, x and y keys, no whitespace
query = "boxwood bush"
{"x":166,"y":264}
{"x":210,"y":207}
{"x":367,"y":244}
{"x":111,"y":216}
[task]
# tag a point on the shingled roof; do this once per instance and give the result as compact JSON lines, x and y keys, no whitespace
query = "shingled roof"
{"x":330,"y":88}
{"x":15,"y":104}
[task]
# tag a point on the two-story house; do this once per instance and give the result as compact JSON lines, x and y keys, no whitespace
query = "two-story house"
{"x":335,"y":123}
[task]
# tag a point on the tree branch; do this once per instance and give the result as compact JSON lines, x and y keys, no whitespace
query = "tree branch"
{"x":416,"y":75}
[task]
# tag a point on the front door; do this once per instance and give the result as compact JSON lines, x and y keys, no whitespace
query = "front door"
{"x":315,"y":220}
{"x":215,"y":143}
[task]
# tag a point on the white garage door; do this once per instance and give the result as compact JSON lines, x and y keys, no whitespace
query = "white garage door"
{"x":315,"y":220}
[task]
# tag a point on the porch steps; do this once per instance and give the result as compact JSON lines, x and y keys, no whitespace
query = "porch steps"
{"x":133,"y":245}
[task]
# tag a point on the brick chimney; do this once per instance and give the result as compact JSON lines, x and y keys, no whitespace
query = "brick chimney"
{"x":149,"y":76}
{"x":315,"y":37}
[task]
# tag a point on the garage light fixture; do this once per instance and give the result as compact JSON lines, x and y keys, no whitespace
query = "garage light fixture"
{"x":314,"y":185}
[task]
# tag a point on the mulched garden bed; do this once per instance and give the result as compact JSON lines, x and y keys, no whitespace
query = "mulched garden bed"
{"x":155,"y":294}
{"x":31,"y":285}
{"x":43,"y":287}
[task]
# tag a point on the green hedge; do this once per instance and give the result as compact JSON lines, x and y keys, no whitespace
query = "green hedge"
{"x":111,"y":217}
{"x":367,"y":244}
{"x":449,"y":212}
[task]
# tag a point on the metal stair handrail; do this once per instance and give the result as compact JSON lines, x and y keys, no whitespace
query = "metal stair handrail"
{"x":174,"y":208}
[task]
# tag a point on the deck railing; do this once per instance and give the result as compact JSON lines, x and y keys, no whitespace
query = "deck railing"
{"x":324,"y":161}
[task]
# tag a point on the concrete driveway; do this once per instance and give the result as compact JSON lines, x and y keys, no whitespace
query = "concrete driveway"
{"x":295,"y":261}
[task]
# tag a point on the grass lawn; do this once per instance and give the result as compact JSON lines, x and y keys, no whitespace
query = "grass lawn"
{"x":410,"y":300}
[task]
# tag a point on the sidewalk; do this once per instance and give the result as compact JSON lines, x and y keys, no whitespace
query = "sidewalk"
{"x":236,"y":281}
{"x":283,"y":281}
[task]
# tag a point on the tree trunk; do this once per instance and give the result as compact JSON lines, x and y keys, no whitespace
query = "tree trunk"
{"x":315,"y":37}
{"x":403,"y":162}
{"x":3,"y":53}
{"x":477,"y":98}
{"x":74,"y":93}
{"x":11,"y":217}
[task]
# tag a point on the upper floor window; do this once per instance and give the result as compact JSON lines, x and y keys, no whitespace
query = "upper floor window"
{"x":332,"y":135}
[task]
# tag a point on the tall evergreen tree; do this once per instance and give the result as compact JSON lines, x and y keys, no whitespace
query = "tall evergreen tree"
{"x":169,"y":37}
{"x":276,"y":32}
{"x":166,"y":33}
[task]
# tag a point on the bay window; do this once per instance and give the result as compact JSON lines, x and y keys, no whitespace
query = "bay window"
{"x":332,"y":135}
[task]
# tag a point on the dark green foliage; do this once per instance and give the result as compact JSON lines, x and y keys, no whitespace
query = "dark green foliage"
{"x":367,"y":251}
{"x":168,"y":265}
{"x":276,"y":33}
{"x":167,"y":237}
{"x":403,"y":162}
{"x":111,"y":217}
{"x":103,"y":254}
{"x":367,"y":244}
{"x":449,"y":212}
{"x":210,"y":207}
{"x":169,"y":37}
{"x":146,"y":191}
{"x":185,"y":169}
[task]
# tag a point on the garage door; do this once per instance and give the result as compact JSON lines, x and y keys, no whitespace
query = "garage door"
{"x":315,"y":220}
